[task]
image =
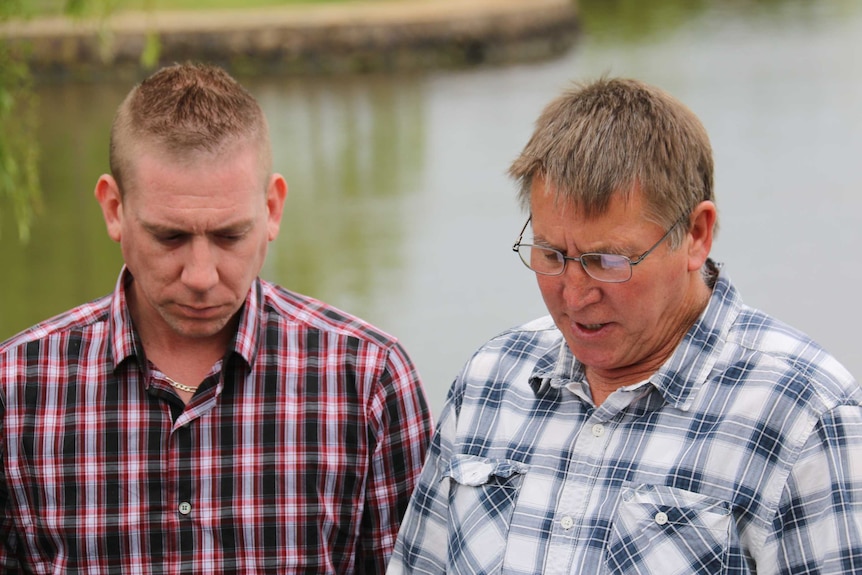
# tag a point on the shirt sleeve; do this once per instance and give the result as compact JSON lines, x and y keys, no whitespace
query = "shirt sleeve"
{"x":422,"y":545}
{"x":399,"y":433}
{"x":8,"y":538}
{"x":818,"y":527}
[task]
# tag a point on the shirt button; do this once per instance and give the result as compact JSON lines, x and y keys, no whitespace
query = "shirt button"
{"x":598,"y":430}
{"x":185,"y":507}
{"x":661,"y":518}
{"x":567,"y":522}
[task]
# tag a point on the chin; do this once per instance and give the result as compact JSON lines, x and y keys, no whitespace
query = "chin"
{"x":199,"y":330}
{"x":592,"y":358}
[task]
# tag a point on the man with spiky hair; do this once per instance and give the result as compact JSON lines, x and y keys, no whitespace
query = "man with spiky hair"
{"x":200,"y":419}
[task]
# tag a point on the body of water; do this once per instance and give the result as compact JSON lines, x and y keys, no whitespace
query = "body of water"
{"x":399,"y":209}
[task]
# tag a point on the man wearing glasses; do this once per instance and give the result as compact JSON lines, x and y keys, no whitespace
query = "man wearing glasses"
{"x":652,"y":423}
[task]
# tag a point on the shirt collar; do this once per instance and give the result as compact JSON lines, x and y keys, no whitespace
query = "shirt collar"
{"x":246,"y":341}
{"x":556,"y":368}
{"x":125,"y":342}
{"x":687,"y":369}
{"x":123,"y":338}
{"x":682,"y":374}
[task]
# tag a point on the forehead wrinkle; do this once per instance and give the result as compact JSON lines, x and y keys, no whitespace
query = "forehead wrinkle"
{"x":599,"y":245}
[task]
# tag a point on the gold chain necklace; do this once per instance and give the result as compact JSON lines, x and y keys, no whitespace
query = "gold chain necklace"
{"x":180,"y":386}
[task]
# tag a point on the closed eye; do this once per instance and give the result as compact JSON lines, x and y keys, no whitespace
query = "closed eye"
{"x":549,"y":254}
{"x":170,"y":239}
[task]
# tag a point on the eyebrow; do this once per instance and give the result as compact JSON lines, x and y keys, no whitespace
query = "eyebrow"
{"x":168,"y":230}
{"x":601,"y":249}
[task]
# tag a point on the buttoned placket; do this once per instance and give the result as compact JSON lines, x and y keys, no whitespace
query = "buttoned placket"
{"x":578,"y":490}
{"x":182,"y":448}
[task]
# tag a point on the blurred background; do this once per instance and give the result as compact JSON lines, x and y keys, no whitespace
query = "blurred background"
{"x":399,"y":210}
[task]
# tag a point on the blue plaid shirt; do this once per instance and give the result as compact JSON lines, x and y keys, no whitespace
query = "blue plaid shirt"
{"x":742,"y":454}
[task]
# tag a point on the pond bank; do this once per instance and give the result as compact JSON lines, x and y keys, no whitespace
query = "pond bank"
{"x":355,"y":37}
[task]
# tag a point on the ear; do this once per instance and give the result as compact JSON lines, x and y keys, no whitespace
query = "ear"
{"x":276,"y":192}
{"x":107,"y":193}
{"x":701,"y":232}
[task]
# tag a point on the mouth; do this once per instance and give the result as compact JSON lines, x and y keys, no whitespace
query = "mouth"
{"x":589,"y":328}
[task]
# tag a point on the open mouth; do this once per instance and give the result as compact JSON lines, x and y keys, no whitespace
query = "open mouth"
{"x":590,"y":327}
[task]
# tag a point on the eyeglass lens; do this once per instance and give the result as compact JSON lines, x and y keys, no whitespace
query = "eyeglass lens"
{"x":603,"y":267}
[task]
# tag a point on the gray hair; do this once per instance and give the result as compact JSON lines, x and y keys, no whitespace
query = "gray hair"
{"x":615,"y":136}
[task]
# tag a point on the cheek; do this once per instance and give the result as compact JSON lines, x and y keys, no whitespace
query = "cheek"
{"x":255,"y":255}
{"x":652,"y":303}
{"x":242,"y":266}
{"x":551,"y":289}
{"x":152,"y":261}
{"x":137,"y":255}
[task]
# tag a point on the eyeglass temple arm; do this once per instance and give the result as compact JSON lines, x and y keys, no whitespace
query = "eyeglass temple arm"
{"x":521,"y":235}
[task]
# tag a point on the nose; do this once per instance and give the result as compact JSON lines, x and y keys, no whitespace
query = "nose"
{"x":200,"y":270}
{"x":578,"y":288}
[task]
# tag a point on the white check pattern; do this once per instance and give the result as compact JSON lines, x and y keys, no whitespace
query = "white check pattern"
{"x":742,"y":454}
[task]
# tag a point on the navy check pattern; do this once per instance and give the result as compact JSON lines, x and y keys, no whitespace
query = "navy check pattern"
{"x":742,"y":454}
{"x":298,"y":454}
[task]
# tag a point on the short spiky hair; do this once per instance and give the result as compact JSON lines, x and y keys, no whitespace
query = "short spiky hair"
{"x":613,"y":136}
{"x":187,"y":109}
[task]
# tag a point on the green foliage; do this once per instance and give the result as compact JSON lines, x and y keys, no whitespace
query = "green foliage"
{"x":152,"y":48}
{"x":19,"y":152}
{"x":92,"y":8}
{"x":75,"y":7}
{"x":632,"y":21}
{"x":20,"y":191}
{"x":9,"y":8}
{"x":153,"y":45}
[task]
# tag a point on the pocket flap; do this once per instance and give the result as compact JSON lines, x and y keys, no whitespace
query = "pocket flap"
{"x":472,"y":470}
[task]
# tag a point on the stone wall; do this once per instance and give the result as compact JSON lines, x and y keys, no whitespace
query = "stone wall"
{"x":350,"y":37}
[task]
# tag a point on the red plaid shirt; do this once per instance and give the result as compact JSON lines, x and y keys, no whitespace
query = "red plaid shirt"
{"x":297,"y":454}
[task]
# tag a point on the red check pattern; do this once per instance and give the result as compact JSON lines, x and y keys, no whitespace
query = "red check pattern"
{"x":298,"y":454}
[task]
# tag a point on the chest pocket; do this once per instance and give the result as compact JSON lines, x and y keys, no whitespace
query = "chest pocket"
{"x":482,"y":497}
{"x":665,"y":530}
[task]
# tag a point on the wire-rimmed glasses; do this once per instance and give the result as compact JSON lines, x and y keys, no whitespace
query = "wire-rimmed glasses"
{"x":610,"y":268}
